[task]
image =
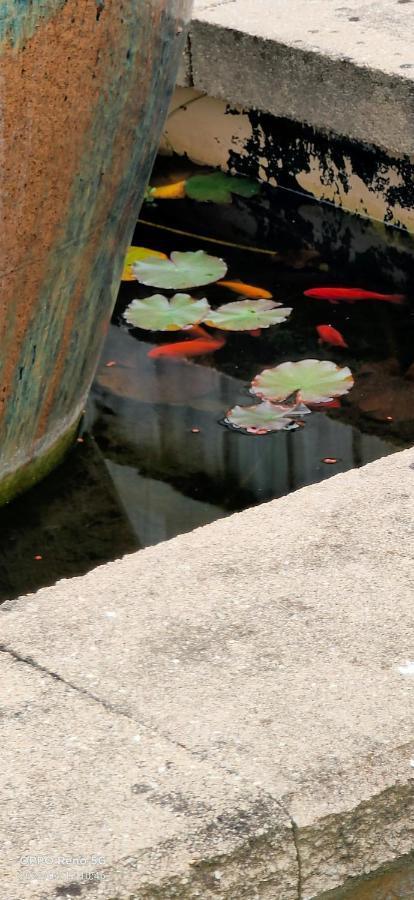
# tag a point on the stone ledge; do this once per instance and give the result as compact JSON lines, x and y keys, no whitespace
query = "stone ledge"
{"x":347,"y":68}
{"x":257,"y":660}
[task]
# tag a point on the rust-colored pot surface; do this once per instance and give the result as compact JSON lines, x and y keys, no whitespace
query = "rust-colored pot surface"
{"x":84,"y":90}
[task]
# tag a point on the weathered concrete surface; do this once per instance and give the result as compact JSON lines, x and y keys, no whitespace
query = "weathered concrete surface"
{"x":347,"y":67}
{"x":93,"y":791}
{"x":260,"y":656}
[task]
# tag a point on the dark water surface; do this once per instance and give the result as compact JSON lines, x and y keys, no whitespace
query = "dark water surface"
{"x":142,"y":474}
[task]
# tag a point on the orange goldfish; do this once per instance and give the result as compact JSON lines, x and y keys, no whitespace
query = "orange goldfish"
{"x":169,"y":191}
{"x":330,"y":335}
{"x":182,"y":349}
{"x":246,"y":290}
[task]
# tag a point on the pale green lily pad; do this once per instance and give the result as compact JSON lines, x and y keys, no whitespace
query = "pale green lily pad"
{"x":265,"y":417}
{"x":158,"y":313}
{"x":182,"y":270}
{"x":218,"y":187}
{"x":246,"y":315}
{"x":317,"y":381}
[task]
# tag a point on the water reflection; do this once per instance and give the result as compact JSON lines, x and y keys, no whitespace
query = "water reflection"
{"x":171,"y":478}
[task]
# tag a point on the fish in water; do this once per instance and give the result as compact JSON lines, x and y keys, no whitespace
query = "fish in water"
{"x":329,"y":335}
{"x":174,"y":191}
{"x":246,"y":290}
{"x":351,"y":295}
{"x":182,"y":349}
{"x":197,"y":331}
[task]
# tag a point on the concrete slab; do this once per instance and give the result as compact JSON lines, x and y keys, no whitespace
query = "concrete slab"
{"x":93,"y":803}
{"x":271,"y":647}
{"x":346,"y":67}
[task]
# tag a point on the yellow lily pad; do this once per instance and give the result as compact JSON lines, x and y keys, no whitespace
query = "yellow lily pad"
{"x":137,"y":254}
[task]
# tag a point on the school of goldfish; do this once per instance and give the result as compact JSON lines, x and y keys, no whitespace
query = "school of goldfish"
{"x":203,"y":343}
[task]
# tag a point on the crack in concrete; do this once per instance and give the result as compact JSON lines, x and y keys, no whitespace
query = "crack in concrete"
{"x":295,"y":833}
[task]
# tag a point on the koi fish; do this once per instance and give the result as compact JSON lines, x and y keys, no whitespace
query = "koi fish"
{"x":182,"y":349}
{"x":350,"y":295}
{"x":255,"y":332}
{"x":329,"y":335}
{"x":169,"y":191}
{"x":246,"y":290}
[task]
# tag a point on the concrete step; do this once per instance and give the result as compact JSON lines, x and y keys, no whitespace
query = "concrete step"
{"x":225,"y":716}
{"x":341,"y":65}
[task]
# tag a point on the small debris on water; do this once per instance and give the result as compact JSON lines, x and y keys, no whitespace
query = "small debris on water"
{"x":195,"y":430}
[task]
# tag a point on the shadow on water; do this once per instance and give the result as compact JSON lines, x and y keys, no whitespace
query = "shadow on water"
{"x":155,"y":460}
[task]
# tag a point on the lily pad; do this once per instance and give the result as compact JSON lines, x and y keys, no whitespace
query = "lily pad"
{"x":136,"y":254}
{"x":246,"y":315}
{"x":182,"y":270}
{"x":317,"y":381}
{"x":265,"y":417}
{"x":158,"y":313}
{"x":219,"y":187}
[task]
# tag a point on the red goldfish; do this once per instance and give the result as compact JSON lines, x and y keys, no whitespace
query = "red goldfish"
{"x":330,"y":335}
{"x":246,"y":290}
{"x":181,"y":349}
{"x":350,"y":295}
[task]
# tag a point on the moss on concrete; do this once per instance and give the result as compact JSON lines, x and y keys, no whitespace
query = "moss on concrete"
{"x":37,"y":468}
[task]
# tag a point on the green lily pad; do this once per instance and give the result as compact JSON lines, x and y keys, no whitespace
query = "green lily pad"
{"x":219,"y":187}
{"x":158,"y":313}
{"x":265,"y":417}
{"x":182,"y":270}
{"x":246,"y":315}
{"x":316,"y":380}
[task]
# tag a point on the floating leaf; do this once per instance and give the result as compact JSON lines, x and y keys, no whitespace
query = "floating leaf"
{"x":157,"y":313}
{"x":265,"y":417}
{"x":247,"y":315}
{"x":136,"y":254}
{"x":183,"y":270}
{"x":318,"y":381}
{"x":219,"y":187}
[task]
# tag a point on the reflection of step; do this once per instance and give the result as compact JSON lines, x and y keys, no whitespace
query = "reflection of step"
{"x":156,"y":511}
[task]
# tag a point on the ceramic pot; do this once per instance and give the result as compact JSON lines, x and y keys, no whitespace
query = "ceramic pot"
{"x":84,"y":90}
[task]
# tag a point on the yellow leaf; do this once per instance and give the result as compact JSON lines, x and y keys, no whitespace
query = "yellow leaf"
{"x":136,"y":254}
{"x":174,"y":191}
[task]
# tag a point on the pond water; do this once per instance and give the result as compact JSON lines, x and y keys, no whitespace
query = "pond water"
{"x":155,"y":458}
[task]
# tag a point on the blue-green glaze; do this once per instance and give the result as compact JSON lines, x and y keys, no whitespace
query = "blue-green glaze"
{"x":20,"y":18}
{"x":73,"y":303}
